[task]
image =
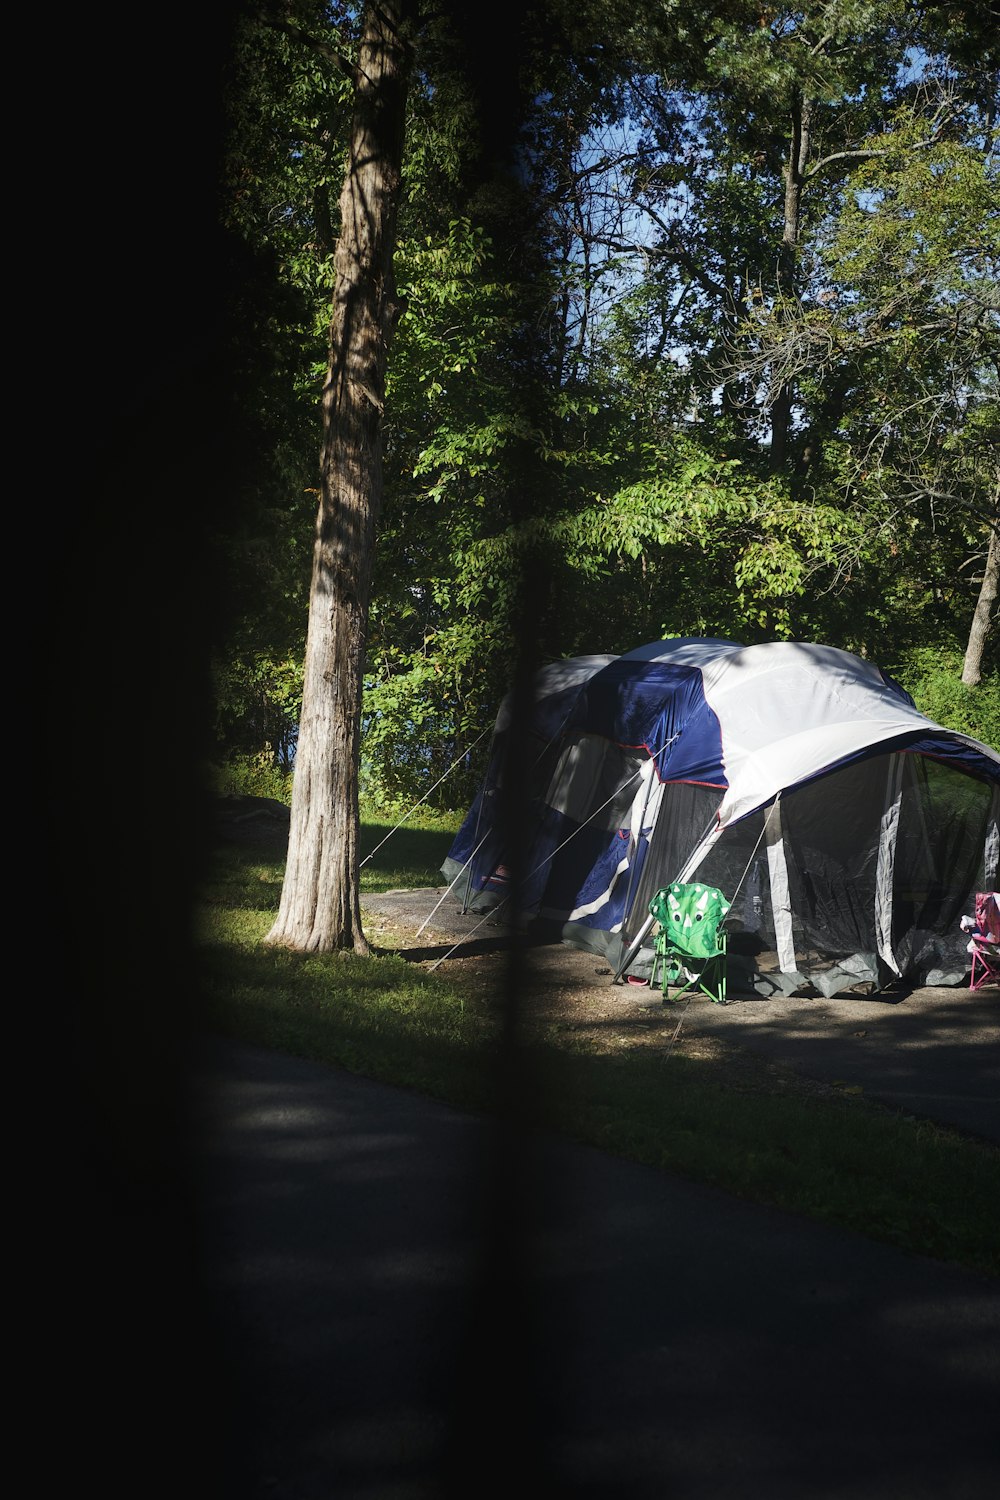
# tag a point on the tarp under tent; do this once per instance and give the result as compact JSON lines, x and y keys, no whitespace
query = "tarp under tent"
{"x":849,"y":831}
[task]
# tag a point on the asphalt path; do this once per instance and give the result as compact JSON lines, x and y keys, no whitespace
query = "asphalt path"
{"x":402,"y":1301}
{"x":408,"y":1304}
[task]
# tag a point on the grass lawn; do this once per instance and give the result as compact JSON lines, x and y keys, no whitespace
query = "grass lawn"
{"x":920,"y":1187}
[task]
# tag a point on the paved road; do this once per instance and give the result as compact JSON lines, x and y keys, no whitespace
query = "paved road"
{"x":411,"y":1306}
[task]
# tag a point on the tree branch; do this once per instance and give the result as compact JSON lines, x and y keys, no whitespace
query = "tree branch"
{"x":322,"y":49}
{"x":865,"y":155}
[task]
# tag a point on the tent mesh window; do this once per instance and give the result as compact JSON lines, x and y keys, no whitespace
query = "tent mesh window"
{"x":939,"y":864}
{"x":831,"y":829}
{"x":594,"y":781}
{"x":685,"y":815}
{"x":830,"y":834}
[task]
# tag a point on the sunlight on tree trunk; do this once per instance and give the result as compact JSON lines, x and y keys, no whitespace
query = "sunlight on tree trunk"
{"x":319,"y":909}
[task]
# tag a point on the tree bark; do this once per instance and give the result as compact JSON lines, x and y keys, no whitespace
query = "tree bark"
{"x":319,"y":909}
{"x":795,"y":173}
{"x":982,"y":620}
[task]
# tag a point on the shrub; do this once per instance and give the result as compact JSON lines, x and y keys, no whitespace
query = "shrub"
{"x":257,"y":775}
{"x":934,"y":680}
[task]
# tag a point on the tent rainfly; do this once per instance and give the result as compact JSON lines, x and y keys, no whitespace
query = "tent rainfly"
{"x":849,"y":831}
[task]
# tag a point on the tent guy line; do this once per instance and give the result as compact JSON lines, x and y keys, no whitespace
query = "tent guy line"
{"x":451,"y":885}
{"x":423,"y":799}
{"x":495,"y":909}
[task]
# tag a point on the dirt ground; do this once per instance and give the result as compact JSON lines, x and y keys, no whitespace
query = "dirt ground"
{"x":932,"y":1052}
{"x":561,"y":986}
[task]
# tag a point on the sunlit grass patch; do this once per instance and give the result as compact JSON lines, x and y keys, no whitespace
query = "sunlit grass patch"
{"x":408,"y":857}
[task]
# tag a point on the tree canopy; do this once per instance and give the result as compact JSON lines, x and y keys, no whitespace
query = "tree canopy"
{"x":699,"y":332}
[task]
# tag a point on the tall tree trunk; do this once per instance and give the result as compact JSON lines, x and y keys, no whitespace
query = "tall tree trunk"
{"x":319,"y":909}
{"x":795,"y":171}
{"x":983,"y":617}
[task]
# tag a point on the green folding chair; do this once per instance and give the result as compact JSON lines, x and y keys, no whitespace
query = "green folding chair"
{"x":689,"y":948}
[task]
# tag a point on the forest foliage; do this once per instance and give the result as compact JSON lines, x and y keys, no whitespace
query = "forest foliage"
{"x":721,"y":360}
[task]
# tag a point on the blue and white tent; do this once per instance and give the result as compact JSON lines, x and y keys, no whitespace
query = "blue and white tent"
{"x":849,"y":831}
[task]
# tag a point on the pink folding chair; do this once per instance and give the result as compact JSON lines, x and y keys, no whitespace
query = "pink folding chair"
{"x":984,"y":940}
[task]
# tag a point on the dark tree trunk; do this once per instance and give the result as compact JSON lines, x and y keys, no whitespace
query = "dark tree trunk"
{"x":319,"y":909}
{"x":795,"y":170}
{"x":982,"y":620}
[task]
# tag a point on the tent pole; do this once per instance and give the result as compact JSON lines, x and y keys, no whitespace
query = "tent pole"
{"x":885,"y":864}
{"x":991,"y":849}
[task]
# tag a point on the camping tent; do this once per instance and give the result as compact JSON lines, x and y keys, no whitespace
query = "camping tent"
{"x":849,"y":832}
